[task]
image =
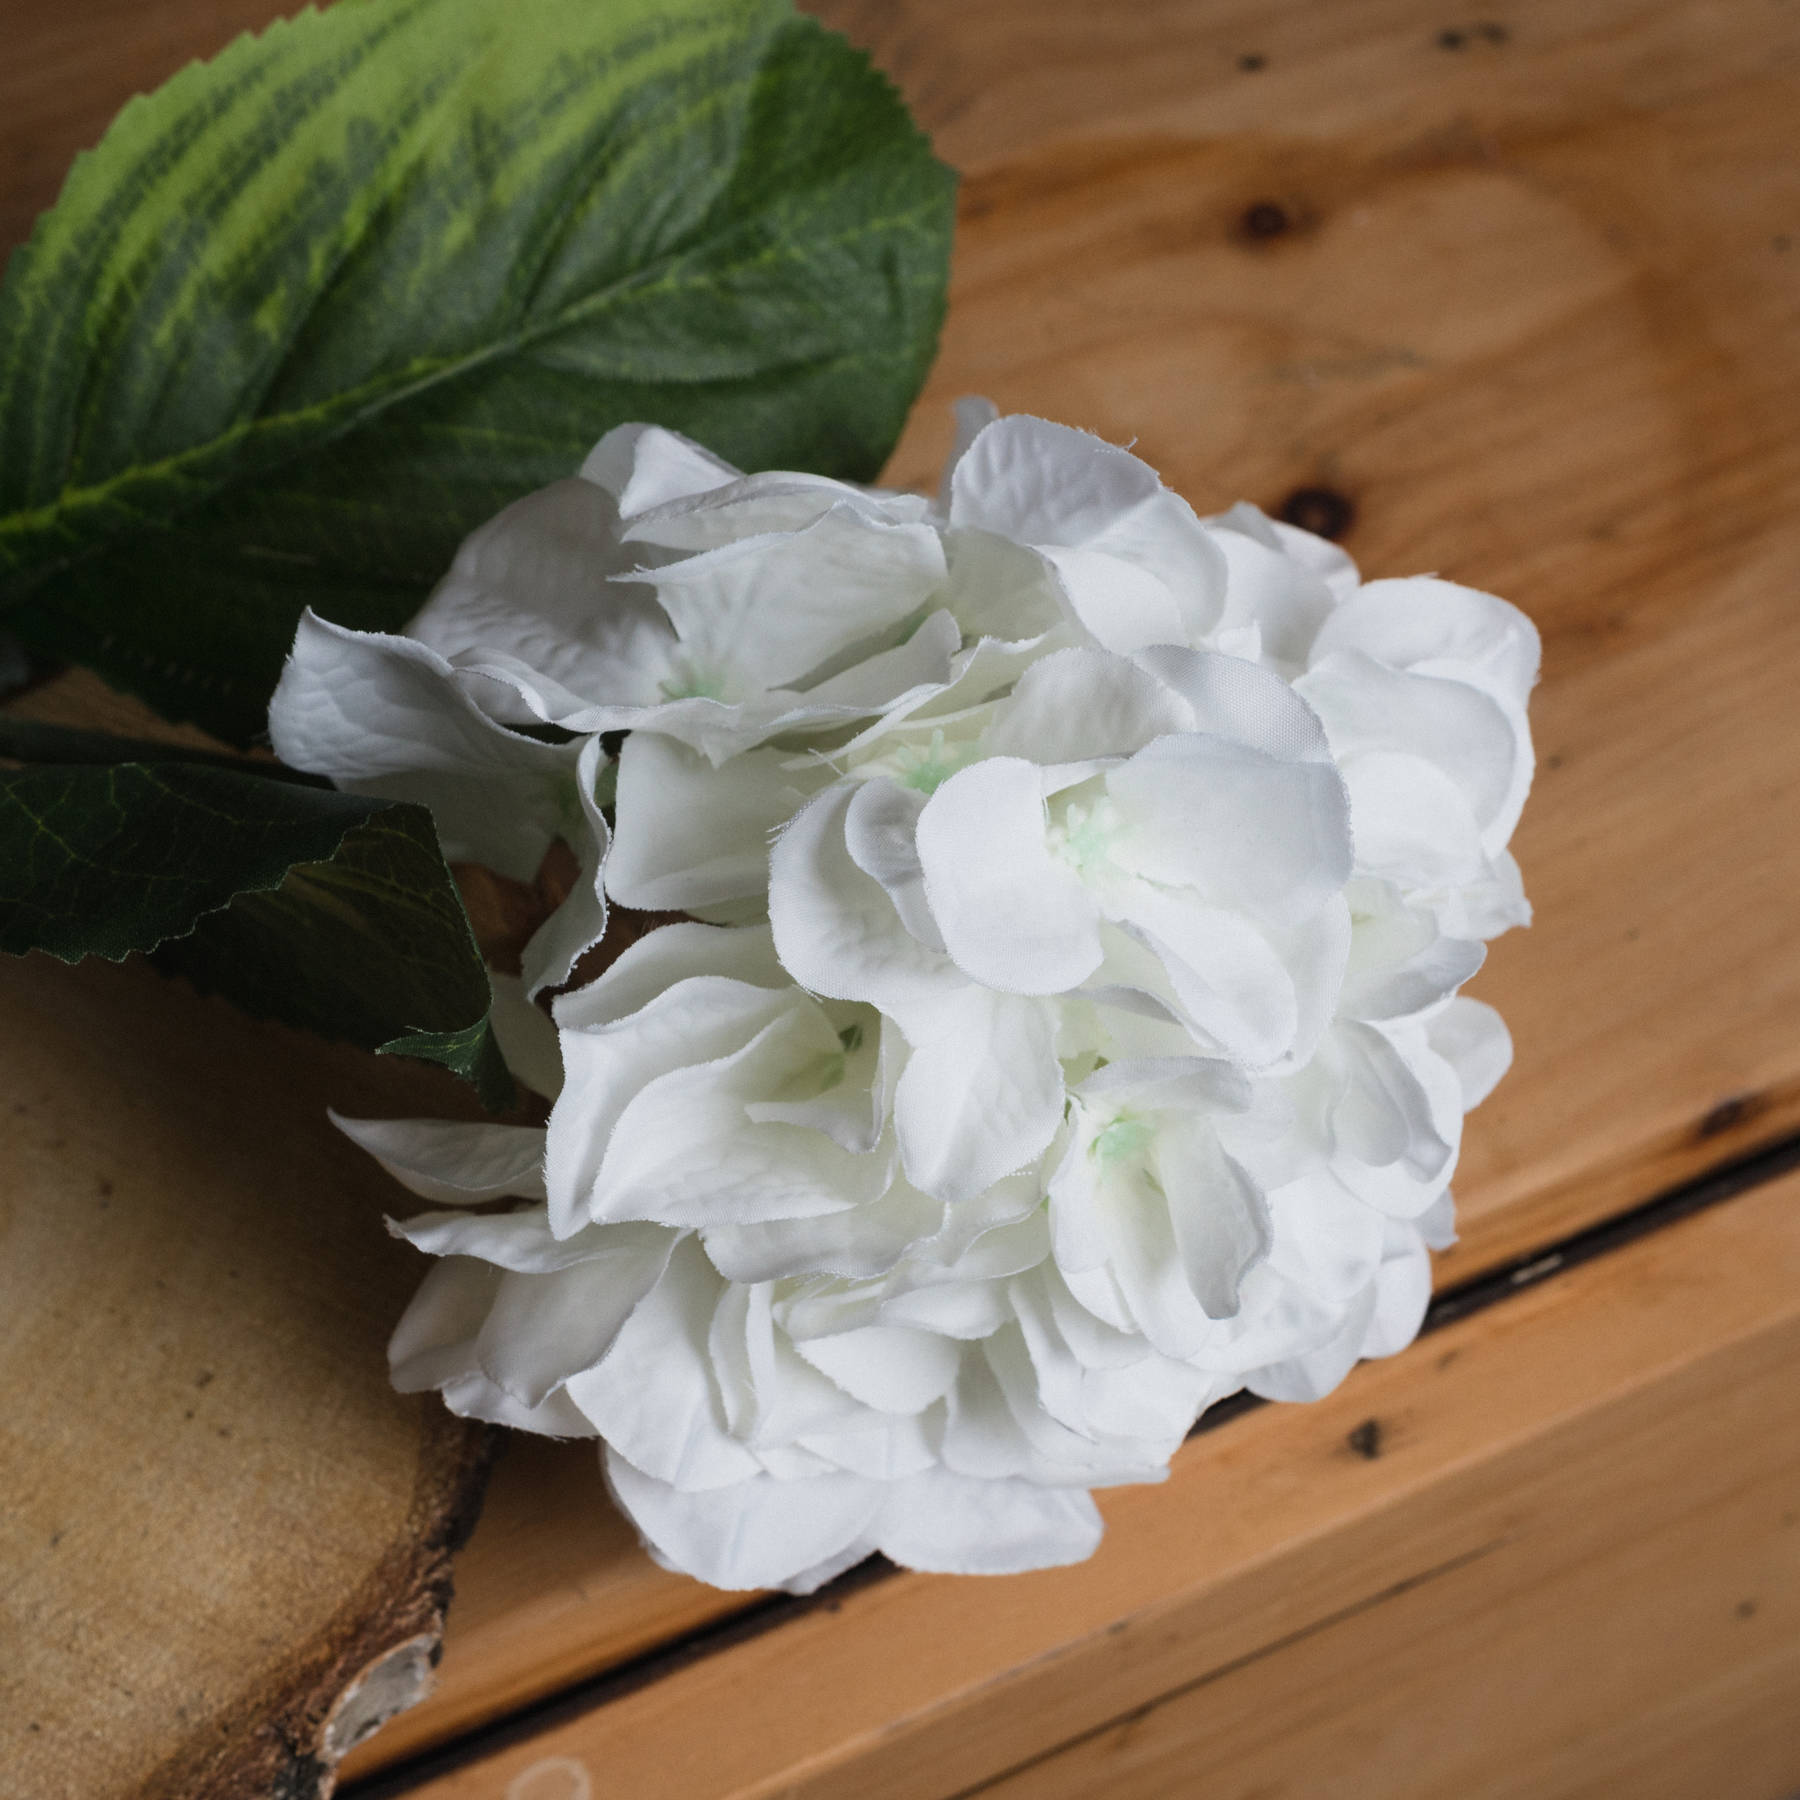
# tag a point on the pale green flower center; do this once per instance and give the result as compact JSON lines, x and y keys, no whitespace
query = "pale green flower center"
{"x":926,"y":767}
{"x":808,"y":1080}
{"x":821,"y":1073}
{"x":1084,"y":835}
{"x":693,"y":687}
{"x":1125,"y":1138}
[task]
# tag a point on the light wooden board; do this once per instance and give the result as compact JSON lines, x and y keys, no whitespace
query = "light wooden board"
{"x":1543,"y":1570}
{"x":217,"y":1516}
{"x":1535,"y":316}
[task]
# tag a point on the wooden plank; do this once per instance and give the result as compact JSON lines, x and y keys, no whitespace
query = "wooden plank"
{"x":1522,"y":1671}
{"x":219,"y":1522}
{"x":1539,"y":1580}
{"x":1534,"y":314}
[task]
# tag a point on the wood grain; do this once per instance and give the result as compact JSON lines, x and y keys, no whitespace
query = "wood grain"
{"x":1536,"y":1588}
{"x":218,"y":1517}
{"x":1531,"y":307}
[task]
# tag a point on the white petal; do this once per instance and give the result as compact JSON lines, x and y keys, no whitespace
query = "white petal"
{"x":853,"y":1109}
{"x":1411,"y":823}
{"x":758,"y":1533}
{"x":1385,"y":1115}
{"x":1057,"y":1456}
{"x":522,"y":1241}
{"x":1473,"y":1039}
{"x":1045,"y":484}
{"x":1235,"y":700}
{"x":682,"y":951}
{"x":1313,"y":1375}
{"x":1001,"y":590}
{"x":534,"y":587}
{"x":653,"y":1396}
{"x":1040,"y":483}
{"x":688,"y":834}
{"x":883,"y":1446}
{"x":1402,"y":1293}
{"x":1122,"y":606}
{"x":579,"y":923}
{"x":434,"y":1341}
{"x":1400,"y":962}
{"x":642,"y":466}
{"x":880,"y":830}
{"x":770,"y":610}
{"x":458,"y":1164}
{"x":473,"y":1396}
{"x":1235,"y":825}
{"x":958,"y":1309}
{"x":1145,"y":1259}
{"x":1327,"y":1245}
{"x":893,"y":1368}
{"x":526,"y":1035}
{"x":773,"y":501}
{"x":951,"y":1525}
{"x":981,"y":1095}
{"x":606,"y":1066}
{"x":1220,"y":1218}
{"x":1287,"y":602}
{"x":923,"y":662}
{"x":383,"y":715}
{"x":1317,"y":555}
{"x":684,"y":1152}
{"x":973,"y":414}
{"x":835,"y":926}
{"x":1457,"y":728}
{"x":1078,"y":704}
{"x":541,"y":1329}
{"x":1233,"y":988}
{"x":1421,"y":622}
{"x":1012,"y":916}
{"x":858,"y":1243}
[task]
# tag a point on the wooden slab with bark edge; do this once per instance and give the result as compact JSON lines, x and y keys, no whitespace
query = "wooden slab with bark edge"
{"x":1527,"y":297}
{"x":225,"y":1542}
{"x":1553,"y":1549}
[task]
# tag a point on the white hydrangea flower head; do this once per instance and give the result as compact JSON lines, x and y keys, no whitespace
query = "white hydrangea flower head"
{"x":1068,"y":1032}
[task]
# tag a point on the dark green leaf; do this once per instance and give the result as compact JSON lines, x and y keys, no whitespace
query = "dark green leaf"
{"x":473,"y":1053}
{"x":33,"y":741}
{"x":325,"y":910}
{"x":313,"y":310}
{"x":101,"y":861}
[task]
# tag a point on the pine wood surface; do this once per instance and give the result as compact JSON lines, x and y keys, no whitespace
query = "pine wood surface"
{"x":1531,"y":308}
{"x":1572,"y":1569}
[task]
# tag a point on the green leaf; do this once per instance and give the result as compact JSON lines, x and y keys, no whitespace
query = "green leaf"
{"x":313,"y":310}
{"x":325,"y":910}
{"x":35,"y":741}
{"x":473,"y":1053}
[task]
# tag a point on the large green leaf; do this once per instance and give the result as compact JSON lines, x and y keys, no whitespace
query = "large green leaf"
{"x":325,"y":910}
{"x":314,"y":309}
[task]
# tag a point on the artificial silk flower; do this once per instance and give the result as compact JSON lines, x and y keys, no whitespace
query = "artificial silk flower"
{"x":1068,"y":1032}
